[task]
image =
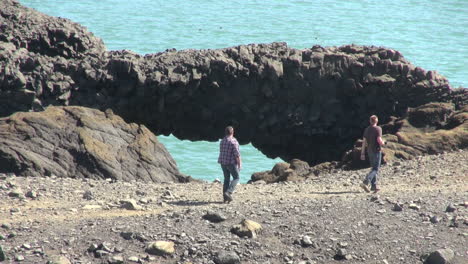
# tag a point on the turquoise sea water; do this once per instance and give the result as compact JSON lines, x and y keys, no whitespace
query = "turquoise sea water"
{"x":431,"y":34}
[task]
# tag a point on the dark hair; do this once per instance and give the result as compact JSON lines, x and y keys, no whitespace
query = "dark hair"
{"x":229,"y":130}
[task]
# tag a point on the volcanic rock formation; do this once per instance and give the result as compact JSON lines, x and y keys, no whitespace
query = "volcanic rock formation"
{"x":79,"y":142}
{"x":309,"y":104}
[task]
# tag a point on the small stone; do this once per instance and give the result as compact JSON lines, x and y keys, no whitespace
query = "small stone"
{"x":441,"y":256}
{"x":57,"y":259}
{"x":161,"y":248}
{"x":88,"y":195}
{"x":127,"y":235}
{"x":134,"y":259}
{"x":106,"y":247}
{"x":143,"y":201}
{"x":397,"y":207}
{"x":116,"y":260}
{"x":381,"y":211}
{"x":100,"y":253}
{"x":306,"y":241}
{"x":214,"y":217}
{"x":414,"y":206}
{"x":342,"y":254}
{"x":15,"y":210}
{"x":93,"y":248}
{"x":17,"y":193}
{"x":2,"y":254}
{"x":226,"y":257}
{"x":343,"y":244}
{"x":19,"y":258}
{"x":130,"y":205}
{"x":217,"y":180}
{"x":450,"y":208}
{"x":435,"y":219}
{"x":26,"y":246}
{"x":31,"y":194}
{"x":247,"y":228}
{"x":91,"y":207}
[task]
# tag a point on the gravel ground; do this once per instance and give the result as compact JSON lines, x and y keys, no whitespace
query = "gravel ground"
{"x":327,"y":219}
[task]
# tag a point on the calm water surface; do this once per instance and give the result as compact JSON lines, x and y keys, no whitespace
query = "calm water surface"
{"x":431,"y":34}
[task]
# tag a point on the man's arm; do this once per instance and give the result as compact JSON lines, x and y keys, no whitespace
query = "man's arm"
{"x":380,"y":141}
{"x":236,"y":150}
{"x":379,"y":137}
{"x":363,"y":149}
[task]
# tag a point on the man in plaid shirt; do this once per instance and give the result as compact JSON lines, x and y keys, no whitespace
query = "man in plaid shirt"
{"x":230,"y":160}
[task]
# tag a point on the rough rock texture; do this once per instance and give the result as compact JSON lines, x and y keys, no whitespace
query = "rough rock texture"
{"x":79,"y":142}
{"x":432,"y":128}
{"x":302,"y":222}
{"x":428,"y":129}
{"x":308,"y":104}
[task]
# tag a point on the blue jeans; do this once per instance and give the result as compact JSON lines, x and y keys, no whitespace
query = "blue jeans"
{"x":374,"y":160}
{"x":228,"y":170}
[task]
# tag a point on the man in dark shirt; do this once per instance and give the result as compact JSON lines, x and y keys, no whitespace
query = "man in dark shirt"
{"x":372,"y":139}
{"x":230,"y":160}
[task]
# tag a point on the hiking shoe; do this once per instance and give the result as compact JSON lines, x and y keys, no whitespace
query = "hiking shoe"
{"x":365,"y":187}
{"x":227,"y":197}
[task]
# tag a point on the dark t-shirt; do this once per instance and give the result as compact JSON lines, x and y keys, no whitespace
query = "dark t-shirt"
{"x":370,"y":134}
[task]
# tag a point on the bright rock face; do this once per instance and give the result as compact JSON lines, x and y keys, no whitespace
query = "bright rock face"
{"x":80,"y":142}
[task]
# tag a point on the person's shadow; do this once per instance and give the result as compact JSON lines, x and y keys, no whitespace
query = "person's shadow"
{"x":344,"y":192}
{"x":192,"y":203}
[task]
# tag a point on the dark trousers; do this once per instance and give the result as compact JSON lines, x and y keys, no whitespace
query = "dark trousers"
{"x":228,"y":170}
{"x":374,"y":160}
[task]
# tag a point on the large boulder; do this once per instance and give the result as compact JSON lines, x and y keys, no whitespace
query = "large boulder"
{"x":310,"y":104}
{"x":79,"y":142}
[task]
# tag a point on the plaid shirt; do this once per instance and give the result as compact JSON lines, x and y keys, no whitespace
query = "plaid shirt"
{"x":228,"y":151}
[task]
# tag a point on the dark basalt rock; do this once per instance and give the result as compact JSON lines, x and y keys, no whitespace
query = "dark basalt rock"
{"x":79,"y":142}
{"x":309,"y":104}
{"x":428,"y":129}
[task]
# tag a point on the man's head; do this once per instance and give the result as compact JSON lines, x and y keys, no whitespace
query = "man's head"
{"x":229,"y":131}
{"x":373,"y":120}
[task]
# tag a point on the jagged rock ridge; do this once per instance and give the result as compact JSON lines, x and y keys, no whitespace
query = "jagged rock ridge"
{"x":309,"y":104}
